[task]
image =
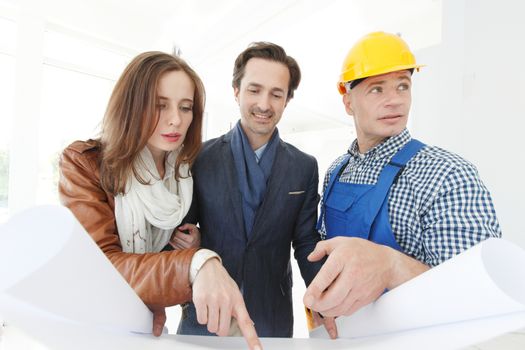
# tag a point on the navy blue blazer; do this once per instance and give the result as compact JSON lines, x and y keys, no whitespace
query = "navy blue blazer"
{"x":260,"y":262}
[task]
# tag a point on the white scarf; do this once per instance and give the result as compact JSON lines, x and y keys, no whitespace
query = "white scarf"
{"x":147,"y":214}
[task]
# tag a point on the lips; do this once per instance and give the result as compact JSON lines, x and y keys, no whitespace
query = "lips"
{"x":391,"y":116}
{"x":260,"y":114}
{"x":171,"y":137}
{"x":262,"y":118}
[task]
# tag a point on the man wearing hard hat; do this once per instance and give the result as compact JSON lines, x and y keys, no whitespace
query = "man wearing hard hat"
{"x":397,"y":206}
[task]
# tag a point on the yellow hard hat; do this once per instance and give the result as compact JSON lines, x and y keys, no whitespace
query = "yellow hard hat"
{"x":374,"y":54}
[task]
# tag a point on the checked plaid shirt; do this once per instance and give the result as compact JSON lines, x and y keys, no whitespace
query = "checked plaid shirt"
{"x":438,"y":206}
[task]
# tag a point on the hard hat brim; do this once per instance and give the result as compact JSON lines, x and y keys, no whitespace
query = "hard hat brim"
{"x":342,"y":81}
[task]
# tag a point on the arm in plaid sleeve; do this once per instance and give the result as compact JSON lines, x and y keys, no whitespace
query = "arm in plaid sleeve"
{"x":461,"y":215}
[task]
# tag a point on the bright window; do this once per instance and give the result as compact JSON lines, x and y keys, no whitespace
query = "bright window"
{"x":8,"y":37}
{"x":73,"y":105}
{"x":7,"y":83}
{"x":78,"y":76}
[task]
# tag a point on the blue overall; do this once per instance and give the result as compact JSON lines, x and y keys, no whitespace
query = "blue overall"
{"x":357,"y":210}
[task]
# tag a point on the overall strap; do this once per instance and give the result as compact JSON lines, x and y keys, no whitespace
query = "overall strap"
{"x":391,"y":171}
{"x":336,"y":173}
{"x":401,"y":158}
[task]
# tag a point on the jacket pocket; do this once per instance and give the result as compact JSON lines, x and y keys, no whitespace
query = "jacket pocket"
{"x":340,"y":201}
{"x":336,"y":208}
{"x":295,"y":193}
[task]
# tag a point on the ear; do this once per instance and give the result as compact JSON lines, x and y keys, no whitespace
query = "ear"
{"x":348,"y":104}
{"x":236,"y":94}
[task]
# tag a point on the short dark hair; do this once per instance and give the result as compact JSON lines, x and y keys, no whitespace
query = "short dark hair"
{"x":272,"y":52}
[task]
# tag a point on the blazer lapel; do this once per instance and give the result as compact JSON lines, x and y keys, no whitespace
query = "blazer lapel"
{"x":232,"y":184}
{"x":277,"y":177}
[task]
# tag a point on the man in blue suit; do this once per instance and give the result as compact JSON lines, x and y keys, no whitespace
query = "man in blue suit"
{"x":255,"y":195}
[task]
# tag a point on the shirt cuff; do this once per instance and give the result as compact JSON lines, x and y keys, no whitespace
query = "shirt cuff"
{"x":198,"y":260}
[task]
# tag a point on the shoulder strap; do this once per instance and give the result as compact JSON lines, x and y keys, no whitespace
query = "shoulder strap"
{"x":336,"y":173}
{"x":401,"y":158}
{"x":391,"y":172}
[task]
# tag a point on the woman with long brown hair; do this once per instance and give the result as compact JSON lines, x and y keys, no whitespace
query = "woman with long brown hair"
{"x":132,"y":187}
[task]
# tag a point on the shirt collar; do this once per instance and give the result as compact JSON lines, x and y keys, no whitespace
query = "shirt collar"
{"x":259,"y":152}
{"x":385,"y":149}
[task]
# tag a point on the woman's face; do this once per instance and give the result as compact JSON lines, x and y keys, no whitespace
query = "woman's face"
{"x":175,"y":92}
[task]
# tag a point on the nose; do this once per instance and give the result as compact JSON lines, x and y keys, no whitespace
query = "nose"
{"x":393,"y":97}
{"x":264,"y":102}
{"x":174,"y":117}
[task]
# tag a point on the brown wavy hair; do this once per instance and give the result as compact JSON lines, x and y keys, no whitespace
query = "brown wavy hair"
{"x":132,"y":116}
{"x":268,"y":51}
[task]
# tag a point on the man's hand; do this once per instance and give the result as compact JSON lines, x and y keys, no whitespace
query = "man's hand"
{"x":182,"y":240}
{"x":328,"y":323}
{"x":217,"y":299}
{"x":355,"y":274}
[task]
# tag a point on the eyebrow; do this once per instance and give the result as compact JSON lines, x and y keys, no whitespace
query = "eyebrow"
{"x":274,"y":89}
{"x":167,"y":99}
{"x":381,"y":82}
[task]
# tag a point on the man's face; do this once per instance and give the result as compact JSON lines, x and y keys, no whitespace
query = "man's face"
{"x":380,"y":106}
{"x":262,"y":97}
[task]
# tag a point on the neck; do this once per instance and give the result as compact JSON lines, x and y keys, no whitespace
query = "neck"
{"x":256,"y":140}
{"x":159,"y":158}
{"x":366,"y":144}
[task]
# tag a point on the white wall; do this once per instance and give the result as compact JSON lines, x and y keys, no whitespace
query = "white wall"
{"x":469,"y":99}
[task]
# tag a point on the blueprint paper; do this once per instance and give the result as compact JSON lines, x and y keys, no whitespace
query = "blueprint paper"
{"x":58,"y":334}
{"x":486,"y":280}
{"x":58,"y":290}
{"x":49,"y":262}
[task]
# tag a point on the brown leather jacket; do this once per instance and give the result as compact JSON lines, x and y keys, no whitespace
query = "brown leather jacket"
{"x":160,"y":279}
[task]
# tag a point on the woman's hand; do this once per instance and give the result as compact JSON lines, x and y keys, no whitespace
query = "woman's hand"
{"x":186,"y":236}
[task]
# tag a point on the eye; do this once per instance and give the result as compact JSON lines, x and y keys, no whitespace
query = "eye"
{"x":253,"y":91}
{"x":161,"y":106}
{"x":376,"y":90}
{"x":403,"y":87}
{"x":186,"y":109}
{"x":277,"y":96}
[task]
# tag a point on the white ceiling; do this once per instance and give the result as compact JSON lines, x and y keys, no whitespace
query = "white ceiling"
{"x":211,"y":33}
